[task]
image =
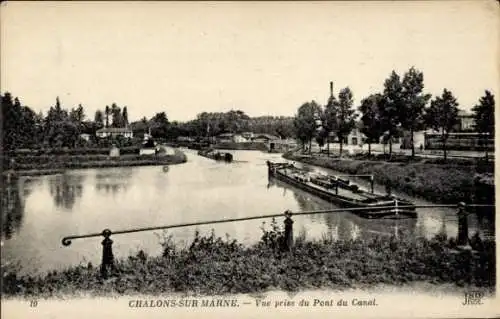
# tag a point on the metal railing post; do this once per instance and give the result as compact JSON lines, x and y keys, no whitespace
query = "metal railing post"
{"x":371,"y":183}
{"x":108,"y":259}
{"x":288,"y":240}
{"x":463,"y":227}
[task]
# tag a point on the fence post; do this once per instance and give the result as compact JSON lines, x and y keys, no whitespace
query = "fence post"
{"x":463,"y":227}
{"x":288,"y":240}
{"x":107,"y":264}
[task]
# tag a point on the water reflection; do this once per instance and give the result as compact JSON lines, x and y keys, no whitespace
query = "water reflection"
{"x":12,"y":202}
{"x":66,"y":189}
{"x":12,"y":210}
{"x":113,"y":181}
{"x":345,"y":225}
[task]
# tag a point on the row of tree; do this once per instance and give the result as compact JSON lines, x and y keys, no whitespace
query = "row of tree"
{"x":60,"y":127}
{"x":401,"y":107}
{"x":208,"y":124}
{"x":22,"y":127}
{"x":118,"y":117}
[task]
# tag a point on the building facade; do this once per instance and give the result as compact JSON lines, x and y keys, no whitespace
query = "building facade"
{"x":115,"y":131}
{"x":466,"y":121}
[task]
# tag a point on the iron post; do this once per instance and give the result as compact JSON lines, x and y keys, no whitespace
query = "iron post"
{"x":288,"y":240}
{"x":463,"y":227}
{"x":108,"y":259}
{"x":371,"y":183}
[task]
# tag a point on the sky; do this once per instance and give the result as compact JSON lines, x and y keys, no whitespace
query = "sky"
{"x":264,"y":58}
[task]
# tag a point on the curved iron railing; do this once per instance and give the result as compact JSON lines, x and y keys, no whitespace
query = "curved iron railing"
{"x":66,"y":241}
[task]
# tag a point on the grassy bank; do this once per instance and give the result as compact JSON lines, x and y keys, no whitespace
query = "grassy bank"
{"x":51,"y":164}
{"x":430,"y":178}
{"x":213,"y":265}
{"x":71,"y":151}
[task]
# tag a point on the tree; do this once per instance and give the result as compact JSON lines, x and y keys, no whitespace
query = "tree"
{"x":284,"y":129}
{"x":107,"y":112}
{"x":11,"y":122}
{"x":99,"y":119}
{"x":125,"y":116}
{"x":80,"y":113}
{"x":77,"y":116}
{"x":442,"y":115}
{"x":346,"y":116}
{"x":30,"y":130}
{"x":391,"y":107}
{"x":159,"y":125}
{"x":371,"y":121}
{"x":412,"y":109}
{"x":305,"y":122}
{"x":484,"y":117}
{"x":116,"y":116}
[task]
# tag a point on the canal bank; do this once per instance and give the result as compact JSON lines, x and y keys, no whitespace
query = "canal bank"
{"x":439,"y":183}
{"x":36,"y":165}
{"x":42,"y":210}
{"x":217,"y":266}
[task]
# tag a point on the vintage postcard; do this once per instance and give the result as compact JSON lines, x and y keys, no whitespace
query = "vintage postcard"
{"x":250,"y":159}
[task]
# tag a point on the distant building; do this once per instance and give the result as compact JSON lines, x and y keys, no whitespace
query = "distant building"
{"x":265,"y":138}
{"x":115,"y":131}
{"x":224,"y":138}
{"x":355,"y":137}
{"x":185,"y":139}
{"x":85,"y":136}
{"x":466,"y":121}
{"x":114,"y":151}
{"x":247,"y":135}
{"x":230,"y":138}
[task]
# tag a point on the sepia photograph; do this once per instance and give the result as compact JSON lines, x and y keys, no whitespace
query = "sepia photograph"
{"x":255,"y":159}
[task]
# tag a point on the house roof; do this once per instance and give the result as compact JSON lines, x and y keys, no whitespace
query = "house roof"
{"x":114,"y":130}
{"x":462,"y":113}
{"x":268,"y":136}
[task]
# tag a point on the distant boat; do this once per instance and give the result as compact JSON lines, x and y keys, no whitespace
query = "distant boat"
{"x":215,"y":155}
{"x":340,"y":193}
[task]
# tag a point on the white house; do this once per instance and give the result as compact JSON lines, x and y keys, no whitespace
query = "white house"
{"x":247,"y":135}
{"x":85,"y":136}
{"x":466,"y":120}
{"x":115,"y":131}
{"x":231,"y":138}
{"x":114,"y":151}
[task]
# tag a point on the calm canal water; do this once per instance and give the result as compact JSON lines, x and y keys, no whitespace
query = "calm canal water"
{"x":39,"y":211}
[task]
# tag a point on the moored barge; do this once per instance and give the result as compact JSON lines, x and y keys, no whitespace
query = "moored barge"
{"x":215,"y":155}
{"x":342,"y":193}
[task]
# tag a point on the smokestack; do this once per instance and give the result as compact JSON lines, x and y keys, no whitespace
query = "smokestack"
{"x":331,"y":88}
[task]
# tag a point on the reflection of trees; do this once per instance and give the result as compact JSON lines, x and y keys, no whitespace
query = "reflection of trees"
{"x":113,"y":181}
{"x":12,"y":208}
{"x":308,"y":202}
{"x":65,"y":189}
